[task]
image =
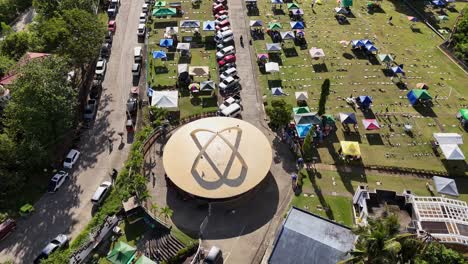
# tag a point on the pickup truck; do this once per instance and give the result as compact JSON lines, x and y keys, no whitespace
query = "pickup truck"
{"x":229,"y":83}
{"x":229,"y":101}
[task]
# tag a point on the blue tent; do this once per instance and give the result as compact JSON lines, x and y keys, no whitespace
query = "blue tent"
{"x":209,"y":25}
{"x":348,"y":118}
{"x":438,"y":3}
{"x":277,"y":91}
{"x":297,"y":25}
{"x":365,"y":100}
{"x":303,"y":129}
{"x":366,"y":41}
{"x":166,"y":42}
{"x":371,"y":48}
{"x":158,"y":54}
{"x":397,"y":69}
{"x":412,"y":97}
{"x":277,"y":2}
{"x":357,"y":43}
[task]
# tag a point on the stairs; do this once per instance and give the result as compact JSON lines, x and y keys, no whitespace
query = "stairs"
{"x":162,"y":246}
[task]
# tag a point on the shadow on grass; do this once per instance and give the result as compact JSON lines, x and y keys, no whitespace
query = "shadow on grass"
{"x":374,"y":139}
{"x":290,"y":52}
{"x":165,"y":24}
{"x":276,"y":57}
{"x":456,"y":167}
{"x":425,"y":110}
{"x":312,"y":174}
{"x":321,"y":67}
{"x":275,"y":83}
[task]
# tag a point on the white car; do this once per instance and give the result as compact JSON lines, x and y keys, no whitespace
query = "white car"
{"x":228,"y":73}
{"x":144,"y":8}
{"x":101,"y":192}
{"x":71,"y":159}
{"x":141,"y":30}
{"x":101,"y":67}
{"x":57,"y":181}
{"x":59,"y":242}
{"x":225,"y":51}
{"x":221,"y":19}
{"x":142,"y":18}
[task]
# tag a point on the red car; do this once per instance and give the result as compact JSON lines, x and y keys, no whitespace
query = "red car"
{"x":112,"y":26}
{"x":227,"y":59}
{"x":218,"y":8}
{"x":224,"y":23}
{"x":220,"y":13}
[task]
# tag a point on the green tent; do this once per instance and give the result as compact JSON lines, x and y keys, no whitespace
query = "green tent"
{"x":164,"y":12}
{"x":293,"y":6}
{"x":274,"y":26}
{"x":122,"y":253}
{"x":422,"y":94}
{"x":144,"y":260}
{"x":346,"y":3}
{"x":160,"y":4}
{"x":329,"y":119}
{"x":464,"y":113}
{"x":301,"y":110}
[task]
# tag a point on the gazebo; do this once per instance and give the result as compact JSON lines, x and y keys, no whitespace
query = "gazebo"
{"x":162,"y":12}
{"x":301,"y":110}
{"x":350,"y":148}
{"x":122,"y":253}
{"x":277,"y":91}
{"x":348,"y":118}
{"x":165,"y":99}
{"x":416,"y":96}
{"x":301,"y":96}
{"x":273,"y":47}
{"x":370,"y":124}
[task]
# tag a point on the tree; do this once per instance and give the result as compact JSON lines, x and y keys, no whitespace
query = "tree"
{"x":5,"y":64}
{"x":307,"y":151}
{"x":53,"y":33}
{"x":436,"y":253}
{"x":166,"y":212}
{"x":86,"y":35}
{"x":42,"y":109}
{"x":7,"y":11}
{"x":380,"y":242}
{"x":16,"y":44}
{"x":157,"y":115}
{"x":460,"y":38}
{"x":154,"y":208}
{"x":46,"y":8}
{"x":279,"y":113}
{"x":324,"y":96}
{"x":86,"y":5}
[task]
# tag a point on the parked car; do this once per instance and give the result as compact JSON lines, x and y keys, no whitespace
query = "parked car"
{"x":137,"y":54}
{"x":229,"y":82}
{"x":225,"y":51}
{"x":221,"y":19}
{"x":220,"y":13}
{"x":105,"y":50}
{"x":227,"y":59}
{"x":229,"y":101}
{"x":90,"y":109}
{"x":57,"y":180}
{"x":142,"y":18}
{"x":7,"y":227}
{"x":101,"y":193}
{"x":214,"y":256}
{"x":222,"y":24}
{"x":57,"y":243}
{"x":108,"y":38}
{"x":132,"y":105}
{"x":227,"y":66}
{"x":141,"y":30}
{"x":96,"y":87}
{"x":136,"y":69}
{"x":227,"y":73}
{"x":112,"y":26}
{"x":101,"y":67}
{"x":71,"y":158}
{"x":144,"y":8}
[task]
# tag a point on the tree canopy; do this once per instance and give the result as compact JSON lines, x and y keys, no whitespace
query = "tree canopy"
{"x":16,"y":44}
{"x":460,"y":38}
{"x":279,"y":113}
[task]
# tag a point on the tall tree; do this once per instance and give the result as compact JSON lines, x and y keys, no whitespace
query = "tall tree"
{"x":53,"y":33}
{"x":42,"y":107}
{"x":307,"y":150}
{"x":279,"y":113}
{"x":46,"y":8}
{"x":7,"y":11}
{"x":166,"y":212}
{"x":324,"y":96}
{"x":5,"y":64}
{"x":86,"y":35}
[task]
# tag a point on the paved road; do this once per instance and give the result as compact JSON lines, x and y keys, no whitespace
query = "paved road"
{"x":69,"y":210}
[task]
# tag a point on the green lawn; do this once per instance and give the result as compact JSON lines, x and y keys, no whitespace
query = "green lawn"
{"x":334,"y":190}
{"x":353,"y":75}
{"x":162,"y":74}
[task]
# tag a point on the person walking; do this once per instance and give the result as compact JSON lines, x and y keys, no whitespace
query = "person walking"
{"x":390,"y":20}
{"x":241,"y":39}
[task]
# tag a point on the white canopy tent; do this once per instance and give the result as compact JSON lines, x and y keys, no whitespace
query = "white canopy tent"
{"x":183,"y":46}
{"x":316,"y":53}
{"x":172,"y":30}
{"x":452,"y":152}
{"x":272,"y":67}
{"x":166,"y":99}
{"x":273,"y":47}
{"x":181,"y":68}
{"x":301,"y":96}
{"x":445,"y":185}
{"x":448,"y":138}
{"x":287,"y":35}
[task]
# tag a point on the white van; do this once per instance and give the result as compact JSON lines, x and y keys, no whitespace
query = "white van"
{"x":225,"y":51}
{"x":223,"y":35}
{"x":227,"y":73}
{"x":232,"y":110}
{"x":137,"y":54}
{"x":101,"y":192}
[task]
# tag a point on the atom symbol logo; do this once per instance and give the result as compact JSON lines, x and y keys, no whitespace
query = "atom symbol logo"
{"x":222,"y":176}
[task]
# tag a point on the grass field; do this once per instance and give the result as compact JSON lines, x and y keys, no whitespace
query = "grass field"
{"x":353,"y":74}
{"x":164,"y":72}
{"x":334,"y":190}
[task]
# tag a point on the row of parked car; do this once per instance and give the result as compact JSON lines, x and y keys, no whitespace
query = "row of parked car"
{"x":229,"y":85}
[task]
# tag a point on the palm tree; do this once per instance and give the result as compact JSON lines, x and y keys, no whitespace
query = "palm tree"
{"x":154,"y":208}
{"x":380,"y":242}
{"x":166,"y":212}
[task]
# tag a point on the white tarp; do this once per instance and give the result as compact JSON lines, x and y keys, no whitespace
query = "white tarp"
{"x":452,"y":152}
{"x":181,"y":68}
{"x":272,"y":67}
{"x":448,"y":138}
{"x":183,"y":46}
{"x":445,"y":185}
{"x":271,"y":47}
{"x":301,"y":96}
{"x":165,"y":99}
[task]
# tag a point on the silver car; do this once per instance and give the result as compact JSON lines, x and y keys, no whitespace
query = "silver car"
{"x":59,"y":242}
